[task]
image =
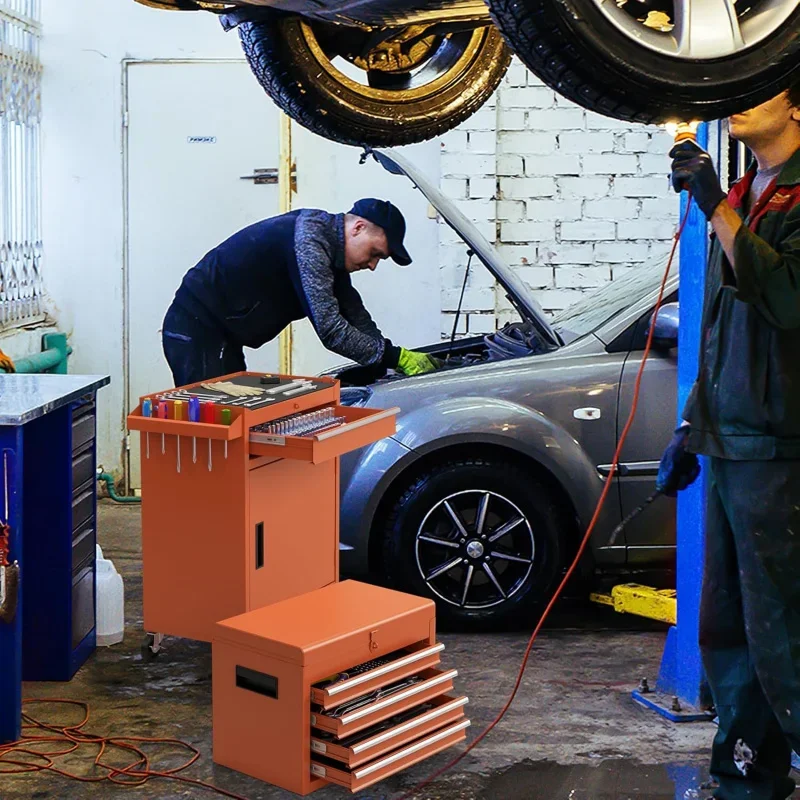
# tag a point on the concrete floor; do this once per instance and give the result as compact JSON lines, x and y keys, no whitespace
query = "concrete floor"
{"x":573,"y":733}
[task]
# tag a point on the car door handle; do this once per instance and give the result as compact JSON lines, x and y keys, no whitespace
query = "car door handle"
{"x":633,"y":469}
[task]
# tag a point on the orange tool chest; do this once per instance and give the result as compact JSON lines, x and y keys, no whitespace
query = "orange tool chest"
{"x":339,"y":685}
{"x":235,"y":515}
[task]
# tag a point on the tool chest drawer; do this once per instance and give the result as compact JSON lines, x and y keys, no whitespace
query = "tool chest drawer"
{"x":375,"y":674}
{"x":391,"y":763}
{"x":83,"y":424}
{"x":83,"y":468}
{"x":357,"y":427}
{"x":397,"y":731}
{"x":381,"y":704}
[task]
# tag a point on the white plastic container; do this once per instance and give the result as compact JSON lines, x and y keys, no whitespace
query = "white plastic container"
{"x":110,"y":617}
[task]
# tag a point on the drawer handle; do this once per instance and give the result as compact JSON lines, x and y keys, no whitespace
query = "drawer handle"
{"x":258,"y":682}
{"x":359,"y":423}
{"x":396,"y":698}
{"x":259,"y":545}
{"x":414,"y":748}
{"x":410,"y":725}
{"x":390,"y":667}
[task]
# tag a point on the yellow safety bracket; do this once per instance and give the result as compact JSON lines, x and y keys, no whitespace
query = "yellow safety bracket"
{"x":643,"y":601}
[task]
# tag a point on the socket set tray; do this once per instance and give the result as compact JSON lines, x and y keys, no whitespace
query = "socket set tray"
{"x":277,"y":390}
{"x":308,"y":423}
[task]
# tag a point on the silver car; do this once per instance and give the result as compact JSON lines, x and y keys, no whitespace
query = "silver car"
{"x":480,"y":499}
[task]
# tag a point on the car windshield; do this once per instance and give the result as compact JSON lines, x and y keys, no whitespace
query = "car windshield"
{"x":597,"y":308}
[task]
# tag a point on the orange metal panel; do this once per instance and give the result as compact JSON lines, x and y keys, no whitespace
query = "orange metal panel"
{"x":193,"y":551}
{"x":293,"y":513}
{"x":265,"y":737}
{"x":333,"y":628}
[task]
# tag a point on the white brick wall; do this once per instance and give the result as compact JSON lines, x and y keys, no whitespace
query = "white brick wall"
{"x":570,"y":197}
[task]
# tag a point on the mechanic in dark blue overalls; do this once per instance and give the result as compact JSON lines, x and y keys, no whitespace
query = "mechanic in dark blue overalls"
{"x":246,"y":291}
{"x":744,"y":413}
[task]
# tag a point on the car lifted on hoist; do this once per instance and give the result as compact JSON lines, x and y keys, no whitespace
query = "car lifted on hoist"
{"x":393,"y":72}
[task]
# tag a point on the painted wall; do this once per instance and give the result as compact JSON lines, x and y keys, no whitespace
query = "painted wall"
{"x":571,"y":198}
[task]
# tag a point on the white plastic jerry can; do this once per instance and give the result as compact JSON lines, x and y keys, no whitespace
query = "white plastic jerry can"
{"x":110,"y":616}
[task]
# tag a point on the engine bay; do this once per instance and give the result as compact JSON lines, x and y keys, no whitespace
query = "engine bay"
{"x":514,"y":340}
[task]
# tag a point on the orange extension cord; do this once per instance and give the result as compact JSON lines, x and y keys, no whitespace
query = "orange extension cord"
{"x":31,"y":754}
{"x":37,"y":753}
{"x":586,"y":537}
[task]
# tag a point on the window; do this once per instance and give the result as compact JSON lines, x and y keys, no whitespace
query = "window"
{"x":20,"y":112}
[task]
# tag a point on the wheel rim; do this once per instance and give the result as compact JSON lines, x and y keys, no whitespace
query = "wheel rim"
{"x":697,"y":29}
{"x":475,"y":549}
{"x":436,"y":62}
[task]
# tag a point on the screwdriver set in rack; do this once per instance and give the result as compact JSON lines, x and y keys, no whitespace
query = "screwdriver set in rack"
{"x":227,"y":469}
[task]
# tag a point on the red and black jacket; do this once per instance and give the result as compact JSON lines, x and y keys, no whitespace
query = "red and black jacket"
{"x":745,"y":404}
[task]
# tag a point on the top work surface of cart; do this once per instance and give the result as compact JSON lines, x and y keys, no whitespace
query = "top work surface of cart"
{"x":26,"y":397}
{"x":284,"y":388}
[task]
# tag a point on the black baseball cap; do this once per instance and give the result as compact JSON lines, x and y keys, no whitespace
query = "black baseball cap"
{"x":387,"y":216}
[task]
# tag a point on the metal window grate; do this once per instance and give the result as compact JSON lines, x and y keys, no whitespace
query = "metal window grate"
{"x":21,"y":285}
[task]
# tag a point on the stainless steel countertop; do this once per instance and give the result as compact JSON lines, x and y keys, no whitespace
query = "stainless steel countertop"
{"x":26,"y":397}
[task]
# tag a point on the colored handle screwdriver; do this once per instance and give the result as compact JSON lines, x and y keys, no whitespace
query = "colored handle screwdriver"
{"x":163,"y":413}
{"x":147,"y":411}
{"x":209,"y":416}
{"x":225,"y":418}
{"x":194,"y":416}
{"x":177,"y":409}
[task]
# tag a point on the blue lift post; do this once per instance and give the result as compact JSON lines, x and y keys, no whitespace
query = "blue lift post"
{"x":681,"y":674}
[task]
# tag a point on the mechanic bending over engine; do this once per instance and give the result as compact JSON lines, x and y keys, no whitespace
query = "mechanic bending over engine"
{"x":744,"y":413}
{"x":248,"y":289}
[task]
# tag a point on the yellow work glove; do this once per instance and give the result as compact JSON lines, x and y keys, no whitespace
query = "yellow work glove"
{"x":6,"y":363}
{"x":413,"y":363}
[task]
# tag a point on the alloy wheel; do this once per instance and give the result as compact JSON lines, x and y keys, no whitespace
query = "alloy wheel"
{"x":475,"y":549}
{"x":698,"y":29}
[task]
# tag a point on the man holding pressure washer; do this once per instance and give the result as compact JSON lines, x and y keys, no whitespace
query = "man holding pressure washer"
{"x":744,"y":414}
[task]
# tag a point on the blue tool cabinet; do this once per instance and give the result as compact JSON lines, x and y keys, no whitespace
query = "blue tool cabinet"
{"x":48,"y":472}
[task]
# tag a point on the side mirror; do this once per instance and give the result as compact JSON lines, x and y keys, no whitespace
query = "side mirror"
{"x":665,"y":335}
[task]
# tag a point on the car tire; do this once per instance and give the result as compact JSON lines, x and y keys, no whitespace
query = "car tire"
{"x":593,"y":57}
{"x":513,"y":492}
{"x":289,"y":63}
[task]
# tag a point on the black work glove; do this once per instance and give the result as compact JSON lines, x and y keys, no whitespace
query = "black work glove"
{"x":693,"y":169}
{"x":679,"y":468}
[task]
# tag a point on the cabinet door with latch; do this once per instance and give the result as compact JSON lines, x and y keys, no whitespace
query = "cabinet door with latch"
{"x":293,"y":533}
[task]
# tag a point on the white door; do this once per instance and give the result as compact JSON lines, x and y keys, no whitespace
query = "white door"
{"x":194,"y":129}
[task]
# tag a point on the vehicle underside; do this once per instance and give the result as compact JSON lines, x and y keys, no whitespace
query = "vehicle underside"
{"x":392,"y":72}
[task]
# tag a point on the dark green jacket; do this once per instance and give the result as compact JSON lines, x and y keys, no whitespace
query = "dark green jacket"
{"x":745,"y":404}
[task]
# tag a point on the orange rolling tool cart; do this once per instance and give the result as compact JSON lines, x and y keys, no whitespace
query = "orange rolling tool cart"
{"x":240,"y":495}
{"x":340,"y":685}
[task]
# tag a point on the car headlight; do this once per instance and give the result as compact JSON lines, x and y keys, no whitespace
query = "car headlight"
{"x":355,"y":395}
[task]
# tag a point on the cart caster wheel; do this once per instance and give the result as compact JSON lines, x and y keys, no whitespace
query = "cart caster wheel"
{"x":151,"y":647}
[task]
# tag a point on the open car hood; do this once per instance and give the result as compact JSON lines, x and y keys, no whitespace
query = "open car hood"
{"x":518,"y":294}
